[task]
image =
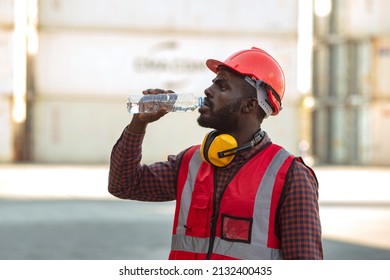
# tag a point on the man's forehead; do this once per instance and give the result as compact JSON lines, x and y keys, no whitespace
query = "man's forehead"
{"x":225,"y":73}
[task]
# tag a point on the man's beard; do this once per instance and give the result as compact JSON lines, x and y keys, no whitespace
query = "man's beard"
{"x":225,"y":120}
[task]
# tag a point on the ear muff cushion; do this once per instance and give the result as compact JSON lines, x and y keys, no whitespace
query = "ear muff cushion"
{"x":215,"y":143}
{"x":207,"y":140}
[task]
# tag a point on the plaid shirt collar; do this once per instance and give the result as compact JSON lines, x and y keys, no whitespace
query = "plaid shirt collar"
{"x":242,"y":156}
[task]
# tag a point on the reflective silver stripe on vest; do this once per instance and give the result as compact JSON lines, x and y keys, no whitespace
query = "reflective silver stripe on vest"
{"x":190,"y":243}
{"x":226,"y":248}
{"x":263,"y":199}
{"x":245,"y":251}
{"x":258,"y":247}
{"x":186,"y":195}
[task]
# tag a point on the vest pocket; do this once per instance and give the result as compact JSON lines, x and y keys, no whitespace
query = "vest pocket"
{"x":236,"y":229}
{"x":198,"y":221}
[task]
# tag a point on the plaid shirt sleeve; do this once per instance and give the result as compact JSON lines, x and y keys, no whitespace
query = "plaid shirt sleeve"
{"x":298,"y":218}
{"x":129,"y":179}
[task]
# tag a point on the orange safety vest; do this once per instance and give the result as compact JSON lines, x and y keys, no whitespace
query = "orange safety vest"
{"x":241,"y":224}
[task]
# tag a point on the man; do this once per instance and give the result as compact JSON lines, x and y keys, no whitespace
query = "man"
{"x":238,"y":196}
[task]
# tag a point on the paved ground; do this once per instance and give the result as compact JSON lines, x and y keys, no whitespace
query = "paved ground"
{"x":65,"y":212}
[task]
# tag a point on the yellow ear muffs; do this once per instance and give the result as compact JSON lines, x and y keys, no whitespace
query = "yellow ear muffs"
{"x":212,"y":146}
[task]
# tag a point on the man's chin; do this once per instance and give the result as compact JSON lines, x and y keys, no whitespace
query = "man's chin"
{"x":224,"y":124}
{"x":203,"y":122}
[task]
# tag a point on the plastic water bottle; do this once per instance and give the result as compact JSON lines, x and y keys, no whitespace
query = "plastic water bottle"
{"x":173,"y":102}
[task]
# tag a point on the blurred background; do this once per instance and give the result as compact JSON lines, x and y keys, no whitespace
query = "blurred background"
{"x":67,"y":67}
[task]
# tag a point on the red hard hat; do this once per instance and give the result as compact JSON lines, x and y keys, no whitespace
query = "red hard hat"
{"x":258,"y":65}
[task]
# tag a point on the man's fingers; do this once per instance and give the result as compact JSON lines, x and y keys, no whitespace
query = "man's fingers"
{"x":156,"y":91}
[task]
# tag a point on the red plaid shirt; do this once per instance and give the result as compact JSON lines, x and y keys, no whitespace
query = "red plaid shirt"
{"x":298,"y":224}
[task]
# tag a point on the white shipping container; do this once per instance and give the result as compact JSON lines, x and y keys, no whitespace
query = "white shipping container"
{"x":75,"y":131}
{"x":6,"y":80}
{"x":275,"y":17}
{"x":6,"y":67}
{"x":6,"y":12}
{"x":113,"y":64}
{"x":6,"y":131}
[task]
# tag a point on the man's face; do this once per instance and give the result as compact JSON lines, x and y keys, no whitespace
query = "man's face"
{"x":222,"y":104}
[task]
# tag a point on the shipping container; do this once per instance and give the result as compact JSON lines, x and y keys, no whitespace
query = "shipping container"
{"x":188,"y":16}
{"x":6,"y":63}
{"x":7,"y":13}
{"x":6,"y":131}
{"x":6,"y":80}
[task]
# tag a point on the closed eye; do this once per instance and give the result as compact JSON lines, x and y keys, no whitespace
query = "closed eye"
{"x":221,"y":84}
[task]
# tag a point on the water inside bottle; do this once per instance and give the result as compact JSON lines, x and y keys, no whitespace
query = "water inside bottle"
{"x":171,"y":102}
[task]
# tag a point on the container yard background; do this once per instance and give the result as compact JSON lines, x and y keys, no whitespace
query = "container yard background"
{"x":67,"y":66}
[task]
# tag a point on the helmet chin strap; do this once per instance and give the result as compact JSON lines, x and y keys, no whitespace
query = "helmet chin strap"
{"x":262,"y":97}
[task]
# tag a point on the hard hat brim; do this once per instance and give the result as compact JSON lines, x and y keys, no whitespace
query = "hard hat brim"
{"x":213,"y":64}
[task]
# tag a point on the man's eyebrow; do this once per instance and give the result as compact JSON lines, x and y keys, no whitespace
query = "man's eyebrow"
{"x":218,"y":80}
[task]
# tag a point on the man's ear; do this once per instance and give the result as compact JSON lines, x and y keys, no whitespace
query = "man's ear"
{"x":250,"y":105}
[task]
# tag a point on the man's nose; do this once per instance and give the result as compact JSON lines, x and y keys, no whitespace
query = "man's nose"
{"x":208,"y":92}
